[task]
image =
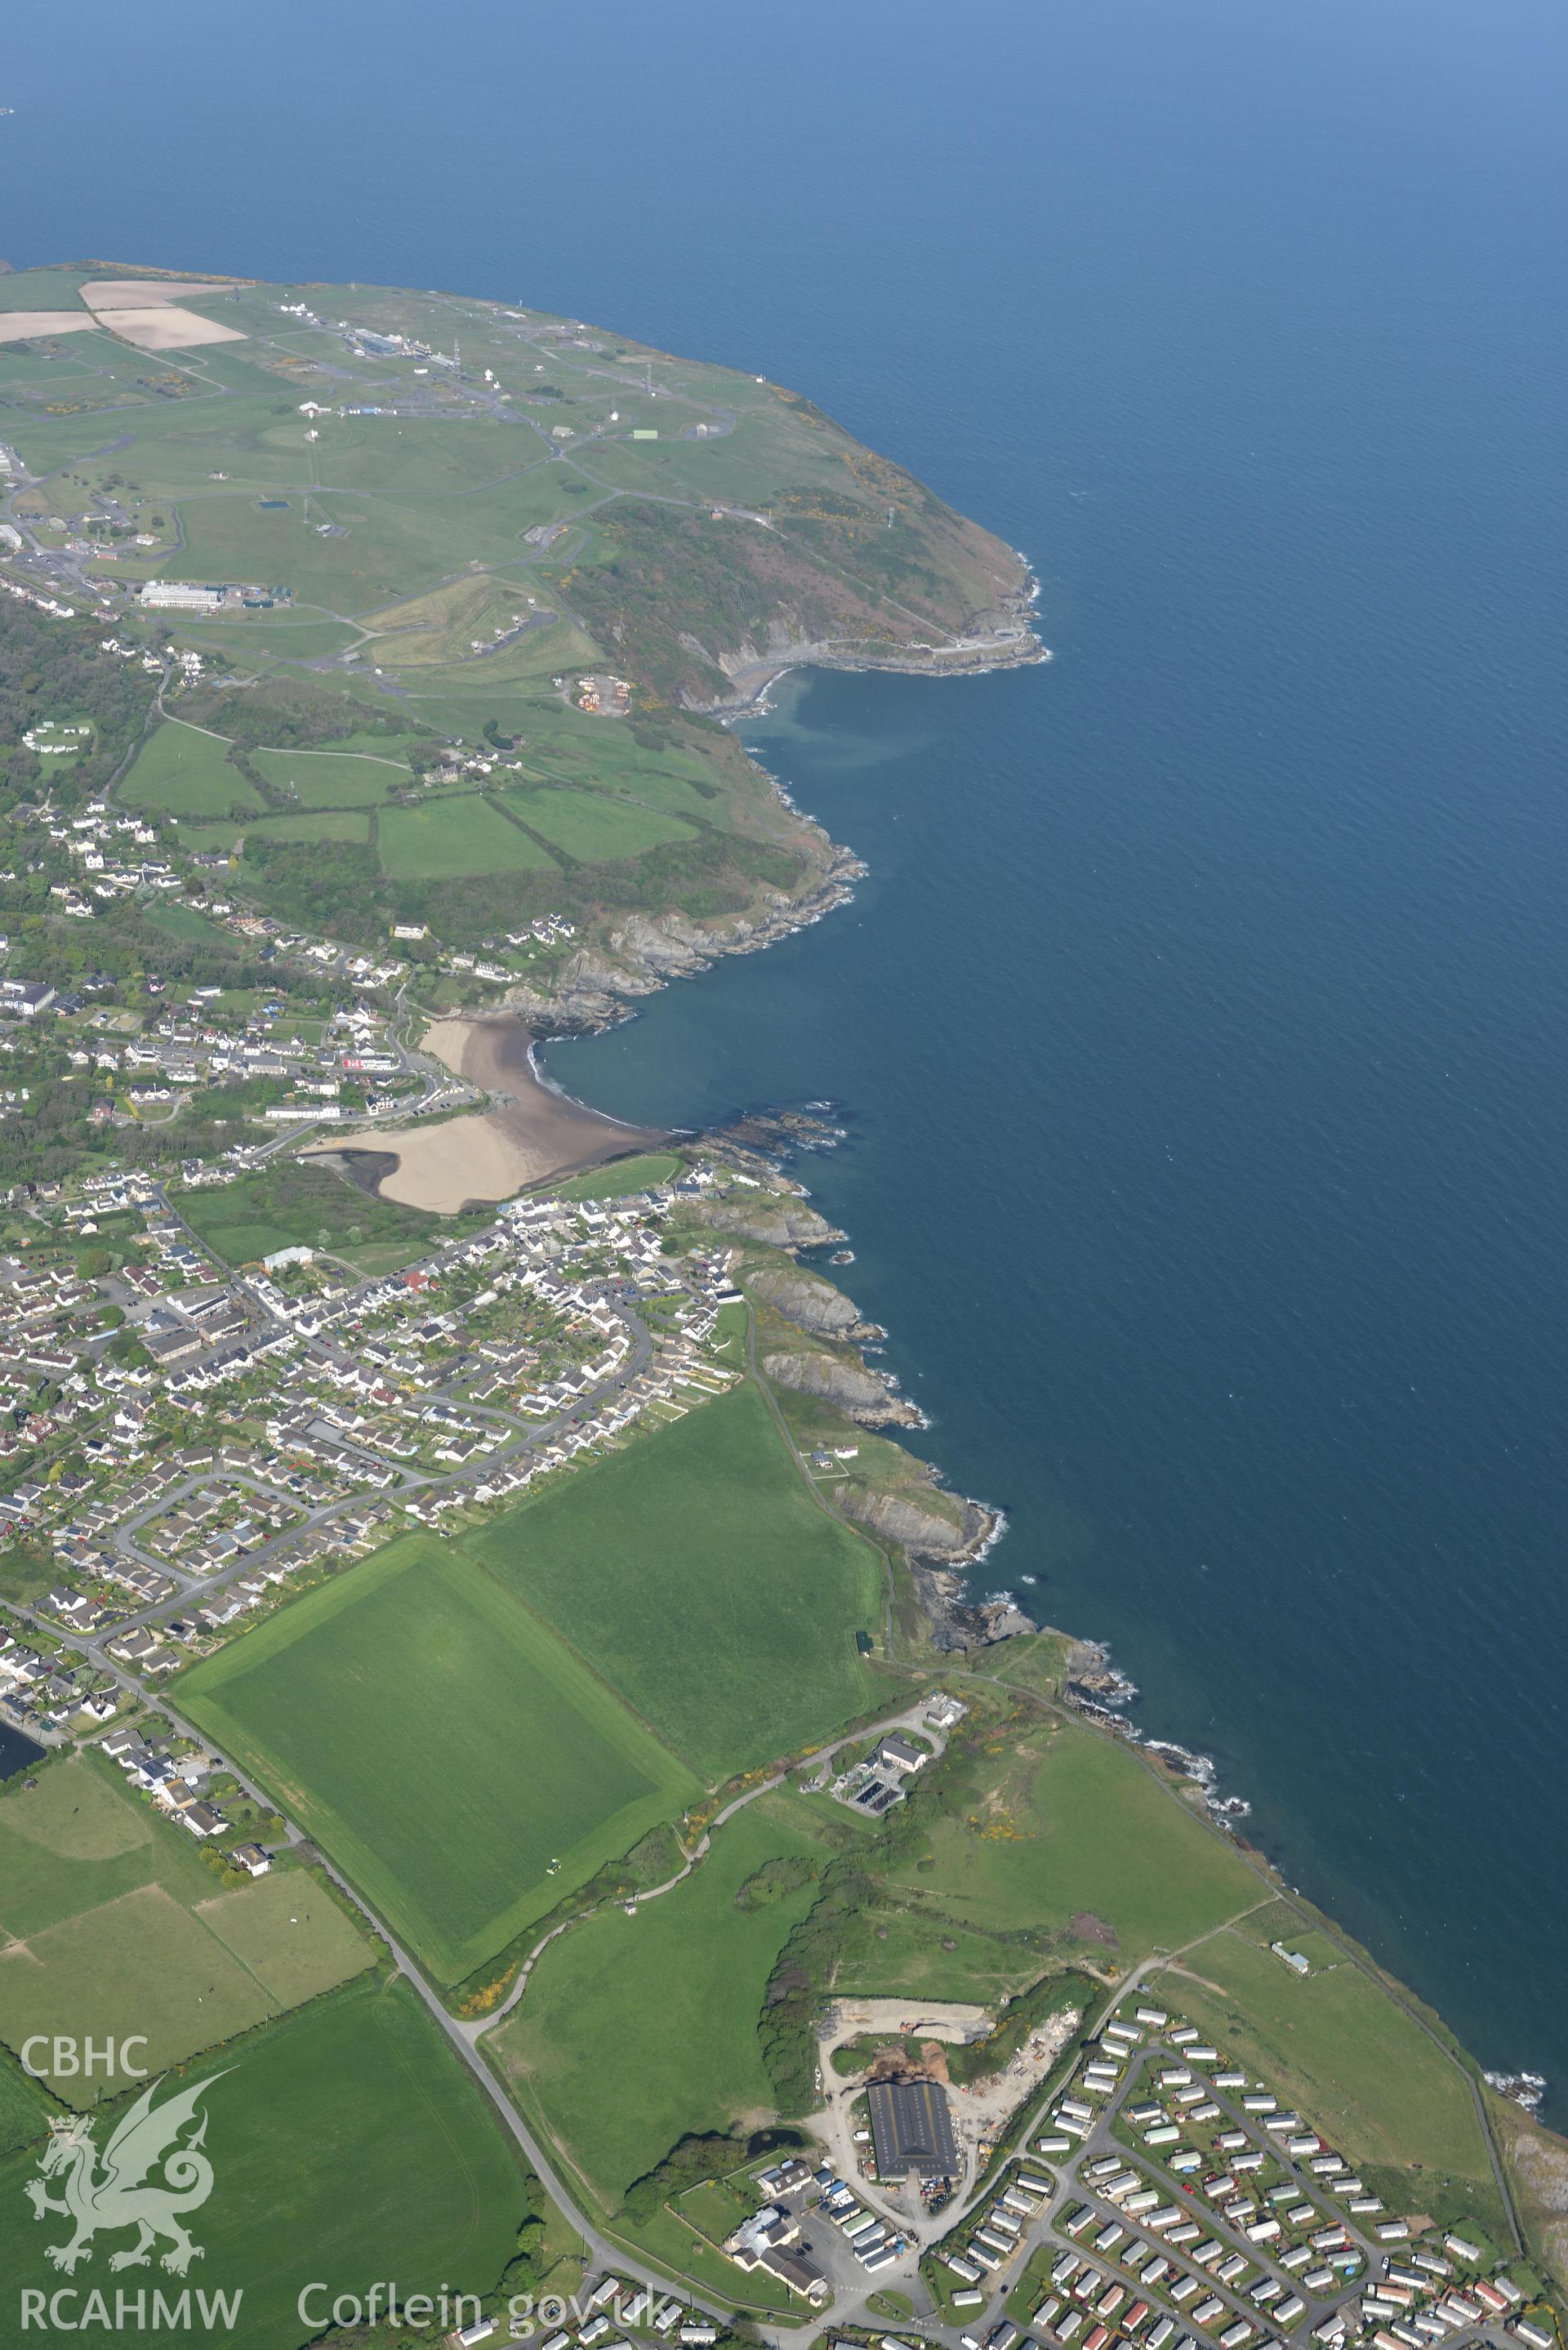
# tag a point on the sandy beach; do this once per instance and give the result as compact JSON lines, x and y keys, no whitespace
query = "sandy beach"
{"x":529,"y":1134}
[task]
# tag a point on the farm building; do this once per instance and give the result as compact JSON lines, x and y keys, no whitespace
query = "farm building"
{"x":911,"y":2130}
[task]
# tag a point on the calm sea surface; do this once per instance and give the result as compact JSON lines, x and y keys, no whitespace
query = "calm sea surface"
{"x":1199,"y":1032}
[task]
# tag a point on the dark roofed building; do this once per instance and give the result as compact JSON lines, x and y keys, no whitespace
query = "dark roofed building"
{"x":801,"y":2275}
{"x":912,"y":2130}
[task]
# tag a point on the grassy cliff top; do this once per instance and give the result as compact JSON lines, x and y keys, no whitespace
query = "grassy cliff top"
{"x":688,"y":519}
{"x":470,"y":528}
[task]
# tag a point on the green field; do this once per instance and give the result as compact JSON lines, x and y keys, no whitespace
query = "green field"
{"x":446,"y":625}
{"x":1064,"y":1823}
{"x":1335,"y":2045}
{"x":23,"y":2108}
{"x":365,"y":745}
{"x":346,"y":2144}
{"x":111,"y":1922}
{"x":42,"y":289}
{"x":593,"y":827}
{"x":626,"y":1175}
{"x":263,"y":637}
{"x":889,"y":1951}
{"x":295,"y":1204}
{"x":635,"y":2031}
{"x":184,"y":923}
{"x":441,"y":1744}
{"x":697,"y":1573}
{"x":332,"y":824}
{"x":447,"y":838}
{"x":183,"y":772}
{"x":333,"y":779}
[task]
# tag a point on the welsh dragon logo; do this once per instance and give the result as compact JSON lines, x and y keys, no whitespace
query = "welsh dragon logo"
{"x":118,"y":2194}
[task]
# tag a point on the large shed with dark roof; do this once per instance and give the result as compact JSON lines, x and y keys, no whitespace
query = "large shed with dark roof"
{"x":911,"y":2129}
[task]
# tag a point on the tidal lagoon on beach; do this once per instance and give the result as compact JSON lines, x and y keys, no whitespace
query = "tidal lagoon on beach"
{"x":530,"y":1132}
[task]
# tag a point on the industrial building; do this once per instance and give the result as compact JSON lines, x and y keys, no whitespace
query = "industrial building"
{"x":911,"y":2130}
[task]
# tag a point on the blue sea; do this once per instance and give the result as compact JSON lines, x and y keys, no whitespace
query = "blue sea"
{"x":1199,"y":1034}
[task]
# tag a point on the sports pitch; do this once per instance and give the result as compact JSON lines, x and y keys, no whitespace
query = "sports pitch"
{"x":443,"y":1745}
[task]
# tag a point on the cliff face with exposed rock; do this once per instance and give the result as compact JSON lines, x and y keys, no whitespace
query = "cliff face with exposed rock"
{"x":919,"y":1528}
{"x":998,"y":638}
{"x":637,"y":954}
{"x":855,"y":1390}
{"x":807,"y":1336}
{"x":813,"y":1304}
{"x":777,"y":1224}
{"x":957,"y":1624}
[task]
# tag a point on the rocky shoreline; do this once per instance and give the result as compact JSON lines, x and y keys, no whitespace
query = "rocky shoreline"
{"x":1002,"y":639}
{"x":644,"y":952}
{"x":650,"y":949}
{"x":755,"y":679}
{"x":598,"y":990}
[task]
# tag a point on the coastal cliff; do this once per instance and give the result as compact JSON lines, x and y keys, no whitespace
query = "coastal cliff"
{"x":636,"y":956}
{"x":843,"y":1415}
{"x":859,"y":1392}
{"x":815,"y":1304}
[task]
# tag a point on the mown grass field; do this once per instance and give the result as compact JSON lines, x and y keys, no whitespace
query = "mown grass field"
{"x":635,"y":2031}
{"x":112,"y":1924}
{"x":1336,"y":2045}
{"x":333,"y":779}
{"x":1061,"y":1822}
{"x":696,"y":1572}
{"x":593,"y":827}
{"x":348,"y":2143}
{"x":443,"y":1745}
{"x":446,"y":838}
{"x":183,"y":772}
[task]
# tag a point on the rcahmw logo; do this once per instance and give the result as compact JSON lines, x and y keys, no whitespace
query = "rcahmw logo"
{"x":147,"y":2178}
